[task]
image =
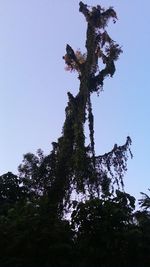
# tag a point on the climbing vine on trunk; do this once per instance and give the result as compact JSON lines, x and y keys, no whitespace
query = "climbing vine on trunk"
{"x":76,"y":167}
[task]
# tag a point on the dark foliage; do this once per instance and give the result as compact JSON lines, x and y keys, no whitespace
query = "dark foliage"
{"x":41,"y":222}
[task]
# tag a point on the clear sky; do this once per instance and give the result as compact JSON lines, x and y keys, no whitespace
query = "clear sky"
{"x":34,"y":84}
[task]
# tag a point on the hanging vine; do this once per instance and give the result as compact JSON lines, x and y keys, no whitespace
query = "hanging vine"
{"x":77,"y":167}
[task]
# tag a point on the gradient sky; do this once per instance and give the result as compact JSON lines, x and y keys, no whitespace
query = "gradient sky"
{"x":34,"y":84}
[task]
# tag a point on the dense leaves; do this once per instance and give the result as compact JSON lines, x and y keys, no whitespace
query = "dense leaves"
{"x":101,"y":232}
{"x":70,"y":208}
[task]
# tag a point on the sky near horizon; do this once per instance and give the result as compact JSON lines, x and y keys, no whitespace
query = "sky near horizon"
{"x":34,"y":83}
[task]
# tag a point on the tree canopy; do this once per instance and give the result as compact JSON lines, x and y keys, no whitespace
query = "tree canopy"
{"x":70,"y":207}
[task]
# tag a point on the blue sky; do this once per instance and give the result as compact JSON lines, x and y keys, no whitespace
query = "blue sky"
{"x":34,"y":84}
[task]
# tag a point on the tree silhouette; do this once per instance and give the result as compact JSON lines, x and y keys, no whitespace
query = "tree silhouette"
{"x":77,"y":168}
{"x":103,"y":228}
{"x":72,"y":167}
